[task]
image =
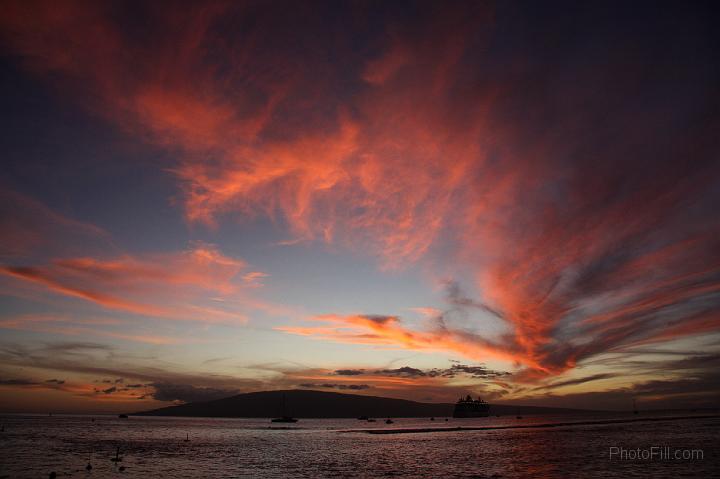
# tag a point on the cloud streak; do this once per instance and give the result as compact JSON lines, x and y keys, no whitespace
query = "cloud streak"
{"x":581,"y":200}
{"x":168,"y":285}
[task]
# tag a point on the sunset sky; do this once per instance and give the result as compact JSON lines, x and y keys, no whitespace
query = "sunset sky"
{"x":407,"y":199}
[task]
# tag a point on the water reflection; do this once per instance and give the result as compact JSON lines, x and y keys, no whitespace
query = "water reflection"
{"x":156,"y":447}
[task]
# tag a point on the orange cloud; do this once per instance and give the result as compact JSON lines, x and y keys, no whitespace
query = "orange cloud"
{"x":389,"y":331}
{"x":583,"y":235}
{"x":168,"y":285}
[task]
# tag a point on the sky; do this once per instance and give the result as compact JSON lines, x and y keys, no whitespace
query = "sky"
{"x":421,"y":200}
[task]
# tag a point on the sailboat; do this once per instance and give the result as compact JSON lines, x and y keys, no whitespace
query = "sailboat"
{"x":284,"y":417}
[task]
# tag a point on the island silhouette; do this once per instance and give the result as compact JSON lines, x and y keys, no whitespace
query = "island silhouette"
{"x":322,"y":404}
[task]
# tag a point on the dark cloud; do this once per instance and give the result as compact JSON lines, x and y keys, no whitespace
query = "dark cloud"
{"x":694,"y":382}
{"x":477,"y":372}
{"x":163,"y":384}
{"x":55,"y":381}
{"x":458,"y":300}
{"x":379,"y":319}
{"x":705,"y":386}
{"x":350,"y":387}
{"x":405,"y":371}
{"x":17,"y":382}
{"x":60,"y":350}
{"x":349,"y":372}
{"x":700,"y":390}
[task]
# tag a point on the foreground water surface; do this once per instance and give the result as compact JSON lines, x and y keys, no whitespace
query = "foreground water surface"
{"x":32,"y":446}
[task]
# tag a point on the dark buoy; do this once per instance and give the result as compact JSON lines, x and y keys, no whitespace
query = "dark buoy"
{"x":117,"y":457}
{"x":432,"y":418}
{"x":122,"y":468}
{"x":52,"y":475}
{"x":88,"y":467}
{"x":187,"y":438}
{"x":446,"y":419}
{"x":388,"y":421}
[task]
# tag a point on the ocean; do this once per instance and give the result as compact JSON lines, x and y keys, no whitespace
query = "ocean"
{"x":33,"y":446}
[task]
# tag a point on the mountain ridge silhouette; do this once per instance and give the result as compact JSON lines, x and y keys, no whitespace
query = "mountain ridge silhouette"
{"x":301,"y":403}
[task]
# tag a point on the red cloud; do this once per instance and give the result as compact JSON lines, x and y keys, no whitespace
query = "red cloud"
{"x":586,"y":217}
{"x":390,"y":332}
{"x":174,"y":285}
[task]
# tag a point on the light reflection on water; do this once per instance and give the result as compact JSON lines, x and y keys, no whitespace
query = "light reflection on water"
{"x":32,"y":446}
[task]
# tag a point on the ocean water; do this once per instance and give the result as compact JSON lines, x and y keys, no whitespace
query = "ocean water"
{"x":32,"y":446}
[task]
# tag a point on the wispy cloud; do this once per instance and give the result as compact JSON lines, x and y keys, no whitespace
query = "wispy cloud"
{"x":29,"y":228}
{"x":581,"y":200}
{"x":176,"y":285}
{"x":87,"y":328}
{"x":389,"y":331}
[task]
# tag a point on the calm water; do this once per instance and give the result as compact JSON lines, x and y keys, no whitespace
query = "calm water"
{"x":32,"y":446}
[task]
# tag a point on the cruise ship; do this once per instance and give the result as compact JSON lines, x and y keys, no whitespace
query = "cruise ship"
{"x":469,"y":407}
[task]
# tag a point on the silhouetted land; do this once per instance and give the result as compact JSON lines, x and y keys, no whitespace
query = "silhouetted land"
{"x":321,"y":404}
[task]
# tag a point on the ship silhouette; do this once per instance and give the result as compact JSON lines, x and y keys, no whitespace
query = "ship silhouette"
{"x":469,"y":407}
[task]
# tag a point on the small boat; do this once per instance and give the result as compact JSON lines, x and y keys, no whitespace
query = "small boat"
{"x":370,"y":420}
{"x":362,"y":418}
{"x":123,"y":416}
{"x":389,"y":421}
{"x":432,"y":418}
{"x":284,"y":417}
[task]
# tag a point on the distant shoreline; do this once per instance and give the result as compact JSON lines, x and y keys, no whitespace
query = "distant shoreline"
{"x":308,"y":403}
{"x":527,"y":426}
